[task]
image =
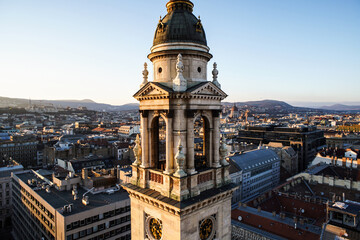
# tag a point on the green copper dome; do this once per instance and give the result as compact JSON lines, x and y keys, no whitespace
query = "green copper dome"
{"x":180,"y":25}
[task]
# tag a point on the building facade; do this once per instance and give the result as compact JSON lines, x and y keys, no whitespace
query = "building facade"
{"x":22,"y":149}
{"x":306,"y":141}
{"x":260,"y":170}
{"x":178,"y":191}
{"x":6,"y":195}
{"x":82,"y":206}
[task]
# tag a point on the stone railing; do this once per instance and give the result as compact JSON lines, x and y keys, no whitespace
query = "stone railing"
{"x":155,"y":177}
{"x":205,"y":177}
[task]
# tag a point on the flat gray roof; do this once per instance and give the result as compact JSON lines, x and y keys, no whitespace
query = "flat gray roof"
{"x":58,"y":199}
{"x":254,"y":158}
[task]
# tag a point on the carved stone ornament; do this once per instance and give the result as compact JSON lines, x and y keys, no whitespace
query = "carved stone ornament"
{"x":145,"y":75}
{"x":137,"y":151}
{"x":215,"y":73}
{"x":223,"y":153}
{"x":179,"y":82}
{"x":180,"y":160}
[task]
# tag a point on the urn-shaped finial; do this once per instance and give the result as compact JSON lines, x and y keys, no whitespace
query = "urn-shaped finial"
{"x":179,"y":82}
{"x":215,"y":73}
{"x":180,"y":161}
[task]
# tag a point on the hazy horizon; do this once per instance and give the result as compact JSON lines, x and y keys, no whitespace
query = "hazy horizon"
{"x":293,"y":103}
{"x":292,"y":51}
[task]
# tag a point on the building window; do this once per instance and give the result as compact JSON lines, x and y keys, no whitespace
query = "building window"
{"x":76,"y":235}
{"x":82,"y":233}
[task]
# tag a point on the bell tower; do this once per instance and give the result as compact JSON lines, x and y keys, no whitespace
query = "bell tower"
{"x":180,"y":186}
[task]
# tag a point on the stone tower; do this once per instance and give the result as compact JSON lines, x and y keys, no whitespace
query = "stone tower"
{"x":180,"y":186}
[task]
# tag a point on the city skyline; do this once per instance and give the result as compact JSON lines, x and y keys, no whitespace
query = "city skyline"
{"x":288,"y":51}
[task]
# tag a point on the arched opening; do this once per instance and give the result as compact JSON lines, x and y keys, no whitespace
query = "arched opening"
{"x":158,"y":144}
{"x":201,"y":143}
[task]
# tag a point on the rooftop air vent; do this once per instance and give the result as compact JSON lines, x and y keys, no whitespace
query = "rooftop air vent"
{"x":85,"y":200}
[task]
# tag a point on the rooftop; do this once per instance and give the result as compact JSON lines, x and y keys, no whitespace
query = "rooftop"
{"x":265,"y":221}
{"x":58,"y":199}
{"x":6,"y":171}
{"x":254,"y":158}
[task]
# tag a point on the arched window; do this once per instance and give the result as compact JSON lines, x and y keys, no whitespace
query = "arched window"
{"x":201,"y":143}
{"x":158,"y":143}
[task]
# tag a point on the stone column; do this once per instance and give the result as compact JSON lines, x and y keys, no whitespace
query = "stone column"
{"x":169,"y":144}
{"x":216,"y":139}
{"x":190,"y":165}
{"x":210,"y":151}
{"x":144,"y":139}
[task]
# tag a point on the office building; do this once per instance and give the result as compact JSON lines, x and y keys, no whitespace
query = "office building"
{"x":56,"y":206}
{"x":306,"y":141}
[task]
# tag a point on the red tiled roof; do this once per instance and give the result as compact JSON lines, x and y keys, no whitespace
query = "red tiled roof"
{"x":98,"y":129}
{"x":272,"y":226}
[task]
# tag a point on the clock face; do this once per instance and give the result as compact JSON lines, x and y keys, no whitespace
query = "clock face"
{"x":155,"y":228}
{"x":206,"y":229}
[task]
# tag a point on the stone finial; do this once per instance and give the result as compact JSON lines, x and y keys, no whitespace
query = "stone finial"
{"x":223,"y":153}
{"x":179,"y":64}
{"x":137,"y":151}
{"x":215,"y":73}
{"x":180,"y":160}
{"x":145,"y":75}
{"x":179,"y":82}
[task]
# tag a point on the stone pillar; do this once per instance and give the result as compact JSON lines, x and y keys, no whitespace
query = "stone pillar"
{"x":216,"y":139}
{"x":144,"y":139}
{"x":190,"y":165}
{"x":209,"y":150}
{"x":169,"y":144}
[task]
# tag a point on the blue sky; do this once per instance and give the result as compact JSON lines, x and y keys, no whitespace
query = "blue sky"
{"x":290,"y":50}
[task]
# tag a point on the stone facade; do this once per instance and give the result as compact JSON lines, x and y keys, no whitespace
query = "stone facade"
{"x":179,"y":189}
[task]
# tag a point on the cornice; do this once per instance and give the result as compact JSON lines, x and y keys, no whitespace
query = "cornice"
{"x":181,"y":212}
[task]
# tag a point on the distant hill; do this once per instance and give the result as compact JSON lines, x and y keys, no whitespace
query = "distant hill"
{"x":266,"y":106}
{"x":89,"y":104}
{"x":341,"y":107}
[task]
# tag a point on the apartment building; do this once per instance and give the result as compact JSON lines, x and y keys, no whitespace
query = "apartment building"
{"x":6,"y":196}
{"x":260,"y":172}
{"x":22,"y":149}
{"x":87,"y":206}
